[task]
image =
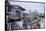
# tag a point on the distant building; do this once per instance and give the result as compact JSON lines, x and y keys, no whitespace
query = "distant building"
{"x":42,"y":17}
{"x":33,"y":15}
{"x":25,"y":15}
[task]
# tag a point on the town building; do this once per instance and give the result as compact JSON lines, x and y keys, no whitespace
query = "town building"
{"x":14,"y":14}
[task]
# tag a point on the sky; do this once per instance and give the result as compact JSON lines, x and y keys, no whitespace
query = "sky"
{"x":30,"y":6}
{"x":29,"y":0}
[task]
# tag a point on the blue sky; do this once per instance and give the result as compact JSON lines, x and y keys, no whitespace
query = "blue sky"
{"x":30,"y":6}
{"x":29,"y":0}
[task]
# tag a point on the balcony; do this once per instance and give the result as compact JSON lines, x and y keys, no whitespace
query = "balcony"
{"x":15,"y":16}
